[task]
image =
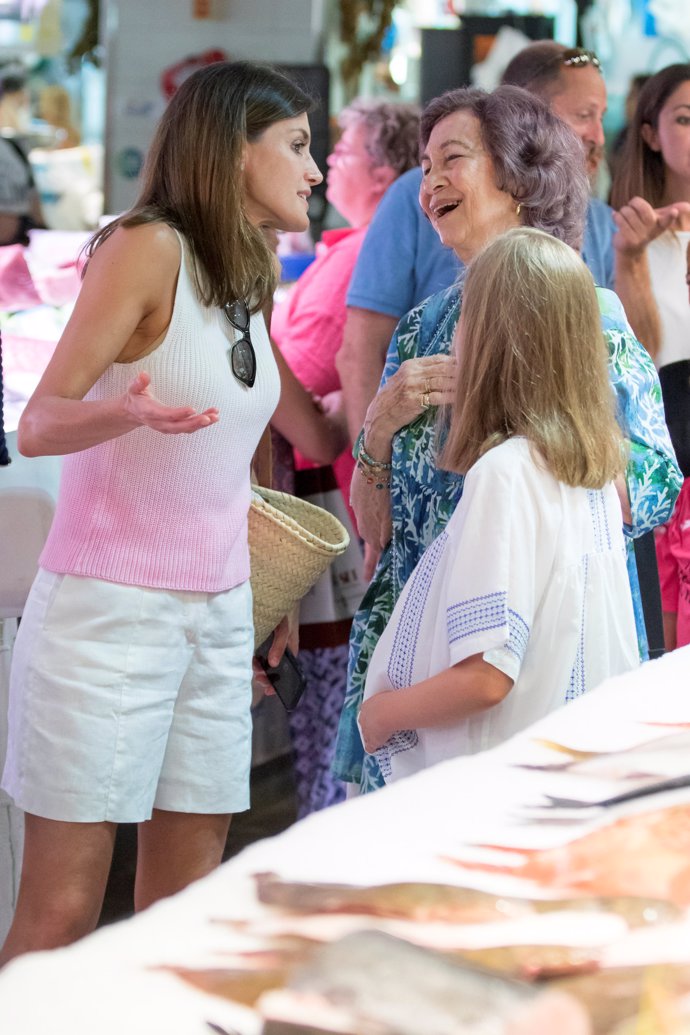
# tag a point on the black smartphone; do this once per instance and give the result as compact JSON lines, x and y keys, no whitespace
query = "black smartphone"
{"x":286,"y":678}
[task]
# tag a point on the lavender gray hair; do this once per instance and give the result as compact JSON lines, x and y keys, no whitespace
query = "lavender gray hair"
{"x":537,"y":158}
{"x":391,"y":132}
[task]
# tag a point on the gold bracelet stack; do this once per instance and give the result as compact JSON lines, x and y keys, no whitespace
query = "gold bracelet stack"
{"x":375,"y":472}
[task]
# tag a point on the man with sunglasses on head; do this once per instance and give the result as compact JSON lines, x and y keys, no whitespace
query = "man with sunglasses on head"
{"x":401,"y":250}
{"x":571,"y":82}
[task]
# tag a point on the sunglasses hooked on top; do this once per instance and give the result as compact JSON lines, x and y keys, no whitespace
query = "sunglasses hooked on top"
{"x":242,"y":355}
{"x":577,"y":57}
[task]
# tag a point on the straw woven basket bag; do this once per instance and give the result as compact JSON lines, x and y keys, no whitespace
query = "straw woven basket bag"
{"x":291,"y":544}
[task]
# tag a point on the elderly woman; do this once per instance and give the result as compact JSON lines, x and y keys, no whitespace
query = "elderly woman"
{"x":379,"y":142}
{"x":490,"y":162}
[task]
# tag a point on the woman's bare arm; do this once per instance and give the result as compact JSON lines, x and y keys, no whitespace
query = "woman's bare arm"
{"x":123,"y":310}
{"x":471,"y":686}
{"x":318,"y":431}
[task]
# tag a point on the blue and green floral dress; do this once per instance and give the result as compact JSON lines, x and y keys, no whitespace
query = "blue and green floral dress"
{"x":423,"y":497}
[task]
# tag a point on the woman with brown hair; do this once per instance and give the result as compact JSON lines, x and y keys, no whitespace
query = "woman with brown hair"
{"x":652,"y":189}
{"x":522,"y":603}
{"x":652,"y":185}
{"x":131,"y":683}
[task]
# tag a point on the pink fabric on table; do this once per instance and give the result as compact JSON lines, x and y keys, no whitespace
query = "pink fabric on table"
{"x":55,"y":260}
{"x":17,"y":288}
{"x":53,"y":248}
{"x":308,"y":326}
{"x":673,"y":557}
{"x":24,"y":360}
{"x":45,"y":273}
{"x":58,"y":286}
{"x":25,"y":355}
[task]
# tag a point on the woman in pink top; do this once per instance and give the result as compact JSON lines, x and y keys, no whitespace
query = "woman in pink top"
{"x":130,"y":689}
{"x":379,"y":142}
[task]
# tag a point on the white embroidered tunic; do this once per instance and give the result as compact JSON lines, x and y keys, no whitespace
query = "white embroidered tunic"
{"x":530,"y":573}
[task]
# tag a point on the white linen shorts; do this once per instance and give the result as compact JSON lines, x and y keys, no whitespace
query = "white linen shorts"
{"x":124,"y":699}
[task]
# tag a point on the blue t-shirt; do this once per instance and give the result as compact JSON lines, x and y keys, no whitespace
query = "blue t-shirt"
{"x":597,"y":248}
{"x":402,"y":260}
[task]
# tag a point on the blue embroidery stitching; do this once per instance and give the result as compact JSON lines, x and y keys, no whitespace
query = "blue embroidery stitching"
{"x":519,"y":635}
{"x":479,"y":614}
{"x":600,"y":521}
{"x":476,"y":615}
{"x":401,"y":662}
{"x":577,"y":684}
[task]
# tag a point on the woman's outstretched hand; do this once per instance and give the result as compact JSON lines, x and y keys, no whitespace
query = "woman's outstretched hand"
{"x":639,"y":224}
{"x":143,"y":406}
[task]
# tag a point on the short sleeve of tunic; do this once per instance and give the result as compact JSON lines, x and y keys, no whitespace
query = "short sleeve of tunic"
{"x":494,"y":543}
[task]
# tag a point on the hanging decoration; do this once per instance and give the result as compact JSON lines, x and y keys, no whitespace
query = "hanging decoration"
{"x":87,"y":46}
{"x":173,"y":76}
{"x":363,"y":26}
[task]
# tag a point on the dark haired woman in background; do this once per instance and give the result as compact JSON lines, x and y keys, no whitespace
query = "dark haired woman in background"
{"x":655,"y":172}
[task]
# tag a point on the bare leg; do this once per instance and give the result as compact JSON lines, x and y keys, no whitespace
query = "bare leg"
{"x":176,"y":848}
{"x":64,"y":874}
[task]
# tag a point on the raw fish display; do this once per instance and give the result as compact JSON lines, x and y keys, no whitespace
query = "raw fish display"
{"x":370,"y":984}
{"x":448,"y":903}
{"x":647,"y":854}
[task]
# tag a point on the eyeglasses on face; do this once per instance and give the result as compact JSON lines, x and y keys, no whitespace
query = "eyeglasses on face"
{"x":242,"y":355}
{"x":577,"y":57}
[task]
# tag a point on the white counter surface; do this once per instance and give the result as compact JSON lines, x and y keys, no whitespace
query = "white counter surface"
{"x":111,"y":983}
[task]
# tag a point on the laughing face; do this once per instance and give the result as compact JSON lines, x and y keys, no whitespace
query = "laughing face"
{"x":279,"y":173}
{"x":459,"y":192}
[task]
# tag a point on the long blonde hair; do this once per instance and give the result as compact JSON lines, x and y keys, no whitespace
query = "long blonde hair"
{"x":532,"y":362}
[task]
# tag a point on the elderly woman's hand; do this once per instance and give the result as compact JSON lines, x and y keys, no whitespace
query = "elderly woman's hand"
{"x":415,"y":386}
{"x":418,"y":384}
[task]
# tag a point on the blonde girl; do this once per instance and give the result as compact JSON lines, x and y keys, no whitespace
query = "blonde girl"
{"x":523,"y":602}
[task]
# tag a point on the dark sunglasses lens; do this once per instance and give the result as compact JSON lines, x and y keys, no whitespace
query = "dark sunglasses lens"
{"x":238,"y":314}
{"x":243,"y":362}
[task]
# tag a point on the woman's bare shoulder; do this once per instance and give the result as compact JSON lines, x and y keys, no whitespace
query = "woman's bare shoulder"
{"x":153,"y":247}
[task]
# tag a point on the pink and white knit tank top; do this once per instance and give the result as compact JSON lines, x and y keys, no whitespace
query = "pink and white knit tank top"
{"x":170,"y":511}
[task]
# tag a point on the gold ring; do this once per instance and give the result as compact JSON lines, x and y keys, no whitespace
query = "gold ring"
{"x":424,"y":399}
{"x":427,"y":387}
